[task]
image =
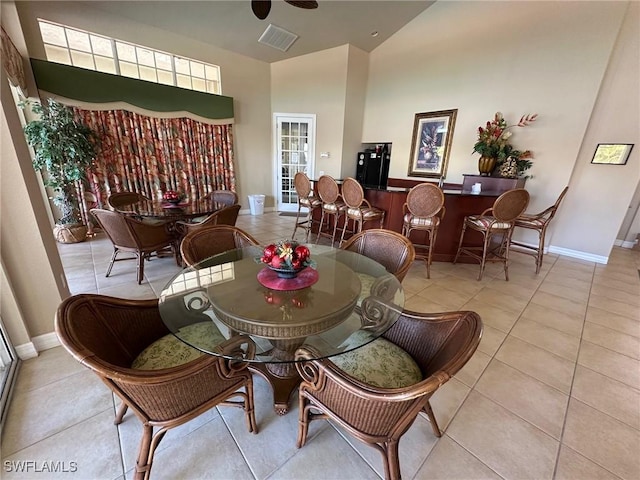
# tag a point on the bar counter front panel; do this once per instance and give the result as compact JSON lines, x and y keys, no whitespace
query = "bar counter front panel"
{"x":458,"y":203}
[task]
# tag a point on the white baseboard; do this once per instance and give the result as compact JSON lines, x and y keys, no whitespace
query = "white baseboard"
{"x":578,"y":254}
{"x":37,"y":344}
{"x":624,"y":244}
{"x":248,"y":211}
{"x":26,"y":351}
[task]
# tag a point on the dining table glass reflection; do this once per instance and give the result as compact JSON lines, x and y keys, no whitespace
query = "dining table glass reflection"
{"x":351,"y":301}
{"x":165,"y":210}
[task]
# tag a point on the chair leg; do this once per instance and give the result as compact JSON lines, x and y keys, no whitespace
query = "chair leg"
{"x":464,"y":228}
{"x":113,"y":259}
{"x":249,"y":407}
{"x":140,"y":267}
{"x":142,"y":463}
{"x":432,"y":419}
{"x":391,"y":460}
{"x":432,"y":240}
{"x":485,"y":247}
{"x":320,"y":226}
{"x":297,"y":224}
{"x":335,"y":228}
{"x":346,"y":224}
{"x":303,"y":420}
{"x":540,"y":256}
{"x":121,"y":413}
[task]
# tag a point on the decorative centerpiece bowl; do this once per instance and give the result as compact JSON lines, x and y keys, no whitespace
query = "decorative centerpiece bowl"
{"x":287,"y":258}
{"x":173,"y":197}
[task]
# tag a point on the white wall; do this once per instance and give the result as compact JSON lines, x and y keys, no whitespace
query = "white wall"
{"x":514,"y":57}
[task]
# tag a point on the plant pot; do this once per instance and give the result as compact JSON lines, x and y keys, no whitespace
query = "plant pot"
{"x":70,"y":233}
{"x":486,"y":165}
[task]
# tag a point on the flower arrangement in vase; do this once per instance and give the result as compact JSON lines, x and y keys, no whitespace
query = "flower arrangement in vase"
{"x":495,"y":150}
{"x":287,"y":258}
{"x":173,"y":197}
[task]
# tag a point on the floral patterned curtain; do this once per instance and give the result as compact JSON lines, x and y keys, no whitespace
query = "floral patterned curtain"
{"x":151,"y":155}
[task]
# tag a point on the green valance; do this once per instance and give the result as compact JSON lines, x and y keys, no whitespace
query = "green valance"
{"x":90,"y":87}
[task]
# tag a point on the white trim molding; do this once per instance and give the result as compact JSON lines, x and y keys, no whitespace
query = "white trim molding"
{"x":37,"y":344}
{"x":578,"y":254}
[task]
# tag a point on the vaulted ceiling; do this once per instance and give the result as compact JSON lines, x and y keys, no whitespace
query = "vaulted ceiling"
{"x":233,"y":26}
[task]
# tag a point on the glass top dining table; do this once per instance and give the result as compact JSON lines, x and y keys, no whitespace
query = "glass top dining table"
{"x":169,"y":211}
{"x":345,"y":302}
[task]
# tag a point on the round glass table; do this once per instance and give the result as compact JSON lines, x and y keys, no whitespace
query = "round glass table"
{"x":347,"y":302}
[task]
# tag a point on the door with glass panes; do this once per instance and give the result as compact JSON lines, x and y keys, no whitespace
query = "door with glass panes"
{"x":295,"y":142}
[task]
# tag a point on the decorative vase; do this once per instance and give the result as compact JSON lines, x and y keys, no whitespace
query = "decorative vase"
{"x":509,"y":168}
{"x":486,"y":165}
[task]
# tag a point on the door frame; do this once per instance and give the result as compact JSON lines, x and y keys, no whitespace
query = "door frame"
{"x":277,"y":182}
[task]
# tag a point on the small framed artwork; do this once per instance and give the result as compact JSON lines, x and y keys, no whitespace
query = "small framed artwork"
{"x":431,"y":143}
{"x":612,"y":153}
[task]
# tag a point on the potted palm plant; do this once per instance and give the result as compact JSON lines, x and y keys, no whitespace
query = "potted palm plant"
{"x":64,"y":148}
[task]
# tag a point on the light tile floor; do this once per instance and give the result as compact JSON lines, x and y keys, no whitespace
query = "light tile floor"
{"x":552,"y":392}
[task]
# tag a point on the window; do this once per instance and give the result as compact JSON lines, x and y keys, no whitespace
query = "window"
{"x":88,"y":50}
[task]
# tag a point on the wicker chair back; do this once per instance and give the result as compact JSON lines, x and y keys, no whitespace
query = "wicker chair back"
{"x":511,"y":204}
{"x":425,"y":200}
{"x":203,"y":243}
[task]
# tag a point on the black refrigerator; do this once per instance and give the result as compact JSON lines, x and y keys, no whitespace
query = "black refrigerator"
{"x":372,"y":168}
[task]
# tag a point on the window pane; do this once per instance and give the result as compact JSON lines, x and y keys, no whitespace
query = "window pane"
{"x":82,"y":60}
{"x":182,"y":66}
{"x":148,"y":74}
{"x":183,"y":81}
{"x":211,"y":72}
{"x":101,"y":46}
{"x":163,"y":61}
{"x":78,"y":40}
{"x":198,"y":84}
{"x":57,"y":54}
{"x":165,"y":77}
{"x":197,"y":69}
{"x":145,"y":57}
{"x":106,"y":65}
{"x":126,"y":52}
{"x":53,"y":34}
{"x":294,"y":128}
{"x":212,"y":87}
{"x":128,"y":70}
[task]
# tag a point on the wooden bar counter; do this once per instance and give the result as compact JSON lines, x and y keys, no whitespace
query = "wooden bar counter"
{"x":458,"y":203}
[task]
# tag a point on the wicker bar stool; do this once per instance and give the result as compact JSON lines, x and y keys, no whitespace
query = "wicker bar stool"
{"x":332,"y":206}
{"x":306,"y":199}
{"x":359,"y":210}
{"x":538,"y":222}
{"x":497,"y":220}
{"x":423,"y":211}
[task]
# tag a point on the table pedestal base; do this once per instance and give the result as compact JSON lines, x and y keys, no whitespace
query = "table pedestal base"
{"x":283,"y":378}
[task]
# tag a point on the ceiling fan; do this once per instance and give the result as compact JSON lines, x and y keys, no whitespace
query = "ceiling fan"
{"x":261,"y":8}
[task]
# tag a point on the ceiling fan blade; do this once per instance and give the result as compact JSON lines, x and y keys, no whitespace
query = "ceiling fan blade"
{"x":306,"y":4}
{"x":261,"y":8}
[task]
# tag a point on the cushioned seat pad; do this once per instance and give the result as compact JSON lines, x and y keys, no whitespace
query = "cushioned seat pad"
{"x":380,"y":363}
{"x":169,"y":351}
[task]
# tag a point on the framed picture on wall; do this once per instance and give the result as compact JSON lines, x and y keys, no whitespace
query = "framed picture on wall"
{"x":431,"y":143}
{"x":612,"y":153}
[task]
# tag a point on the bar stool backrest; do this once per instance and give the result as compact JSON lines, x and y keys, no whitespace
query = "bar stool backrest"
{"x":352,"y":192}
{"x":511,"y":204}
{"x":328,"y":189}
{"x":302,"y":184}
{"x":425,"y":200}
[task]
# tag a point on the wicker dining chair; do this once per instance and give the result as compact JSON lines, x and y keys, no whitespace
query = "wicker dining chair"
{"x":306,"y":199}
{"x":538,"y":222}
{"x":358,"y":210}
{"x":392,"y":250}
{"x":206,"y":242}
{"x":130,"y":235}
{"x":122,"y":199}
{"x":224,"y":216}
{"x":224,"y":197}
{"x":376,"y":392}
{"x":499,"y":220}
{"x":423,"y":211}
{"x":332,"y":206}
{"x":164,"y":381}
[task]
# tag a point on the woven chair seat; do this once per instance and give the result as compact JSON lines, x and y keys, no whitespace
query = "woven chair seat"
{"x":310,"y":202}
{"x":365,"y":213}
{"x":489,"y":223}
{"x":530,"y":222}
{"x":380,"y":363}
{"x":414,"y":221}
{"x":169,"y":351}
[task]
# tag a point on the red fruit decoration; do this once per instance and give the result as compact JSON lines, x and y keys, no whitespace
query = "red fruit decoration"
{"x":268,"y":253}
{"x":276,"y":262}
{"x":302,"y":253}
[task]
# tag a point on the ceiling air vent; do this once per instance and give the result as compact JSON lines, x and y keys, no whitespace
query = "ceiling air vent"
{"x":277,"y":37}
